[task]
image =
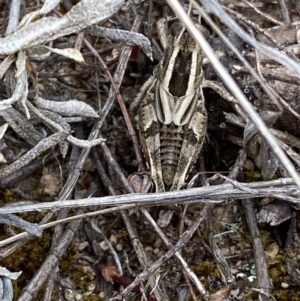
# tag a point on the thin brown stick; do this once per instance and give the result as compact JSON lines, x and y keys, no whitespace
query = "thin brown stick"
{"x":119,"y":96}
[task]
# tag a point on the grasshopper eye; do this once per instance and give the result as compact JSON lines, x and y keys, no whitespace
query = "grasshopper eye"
{"x":175,"y":29}
{"x":204,"y":31}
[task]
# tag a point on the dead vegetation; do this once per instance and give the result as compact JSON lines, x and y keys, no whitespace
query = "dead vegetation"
{"x":78,"y":219}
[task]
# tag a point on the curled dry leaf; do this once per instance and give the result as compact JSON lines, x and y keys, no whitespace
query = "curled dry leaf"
{"x":84,"y":14}
{"x":26,"y":36}
{"x":275,"y":213}
{"x":70,"y":53}
{"x":108,"y":272}
{"x":140,"y":182}
{"x":134,"y":38}
{"x":67,"y":108}
{"x":7,"y":292}
{"x":221,"y":295}
{"x":4,"y":272}
{"x":271,"y":254}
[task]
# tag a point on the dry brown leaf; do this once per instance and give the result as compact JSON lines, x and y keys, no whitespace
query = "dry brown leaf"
{"x":140,"y":182}
{"x":50,"y":181}
{"x":110,"y":271}
{"x":272,"y":254}
{"x":222,"y":294}
{"x":71,"y":53}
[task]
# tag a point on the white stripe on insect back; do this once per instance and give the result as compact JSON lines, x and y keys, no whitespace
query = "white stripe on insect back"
{"x":170,"y":68}
{"x":166,"y":101}
{"x":171,"y":64}
{"x":182,"y":105}
{"x":187,"y":102}
{"x":193,"y":73}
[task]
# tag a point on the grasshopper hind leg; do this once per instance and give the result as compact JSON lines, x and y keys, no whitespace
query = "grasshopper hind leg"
{"x":150,"y":139}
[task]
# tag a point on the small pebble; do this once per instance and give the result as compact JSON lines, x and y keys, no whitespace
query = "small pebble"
{"x":157,"y":243}
{"x":82,"y":246}
{"x":102,"y":295}
{"x":102,"y":222}
{"x":156,"y":250}
{"x":88,"y":270}
{"x":241,"y":245}
{"x":148,"y":249}
{"x":91,"y":287}
{"x":238,"y":263}
{"x":113,"y":239}
{"x":249,"y":165}
{"x":225,"y":252}
{"x":78,"y":297}
{"x":103,"y":245}
{"x":69,"y":294}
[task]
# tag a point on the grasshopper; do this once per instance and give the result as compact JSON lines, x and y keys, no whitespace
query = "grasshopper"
{"x":172,"y":114}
